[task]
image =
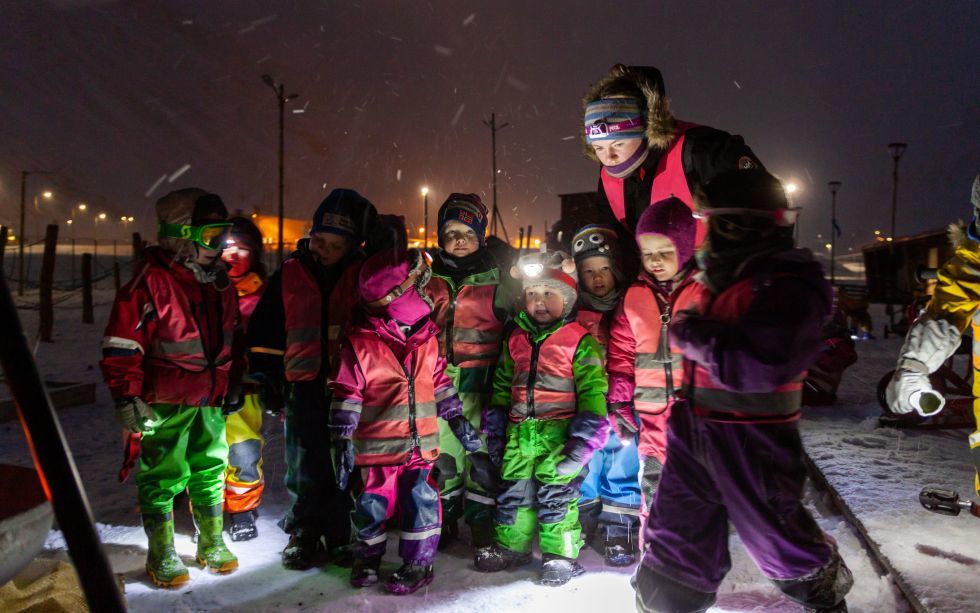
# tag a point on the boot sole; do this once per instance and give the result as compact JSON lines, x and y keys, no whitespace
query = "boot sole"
{"x":402,"y":590}
{"x":224,"y":569}
{"x":558,"y":582}
{"x":177,"y":581}
{"x":510,"y":565}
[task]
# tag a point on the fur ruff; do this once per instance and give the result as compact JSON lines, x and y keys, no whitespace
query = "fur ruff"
{"x":660,"y":123}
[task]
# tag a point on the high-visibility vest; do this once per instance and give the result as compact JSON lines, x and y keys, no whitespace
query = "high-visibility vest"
{"x":543,"y":386}
{"x":303,"y":308}
{"x":398,"y":411}
{"x":470,"y":333}
{"x":648,"y":314}
{"x":712,"y":401}
{"x":595,"y":323}
{"x":668,"y":180}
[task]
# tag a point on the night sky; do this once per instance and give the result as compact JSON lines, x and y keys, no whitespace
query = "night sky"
{"x":112,"y":96}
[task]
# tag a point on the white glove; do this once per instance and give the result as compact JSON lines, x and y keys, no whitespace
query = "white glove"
{"x":930,"y":342}
{"x":910,"y":390}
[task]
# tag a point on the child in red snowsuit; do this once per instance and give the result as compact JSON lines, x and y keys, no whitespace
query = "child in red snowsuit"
{"x":167,"y":355}
{"x":389,"y":387}
{"x":643,"y":369}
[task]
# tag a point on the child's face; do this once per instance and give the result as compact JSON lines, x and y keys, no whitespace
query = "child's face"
{"x":458,"y":239}
{"x":611,"y":153}
{"x":543,"y":303}
{"x":659,"y":256}
{"x":328,"y":248}
{"x":237,"y":257}
{"x":596,"y":276}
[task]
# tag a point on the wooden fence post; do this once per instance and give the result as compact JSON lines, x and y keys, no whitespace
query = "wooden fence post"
{"x":47,"y":278}
{"x":3,"y":244}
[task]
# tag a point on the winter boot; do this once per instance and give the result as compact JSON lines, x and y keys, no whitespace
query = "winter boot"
{"x":557,"y":570}
{"x":212,"y":553}
{"x":241,"y":526}
{"x":162,"y":562}
{"x":496,"y":558}
{"x":449,"y":533}
{"x":409,"y":578}
{"x":482,"y":532}
{"x":342,"y":556}
{"x":364,"y":572}
{"x":304,"y":551}
{"x":619,"y":553}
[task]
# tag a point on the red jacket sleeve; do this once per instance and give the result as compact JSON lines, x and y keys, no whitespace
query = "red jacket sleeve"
{"x":131,"y":328}
{"x":621,"y":357}
{"x":347,"y":385}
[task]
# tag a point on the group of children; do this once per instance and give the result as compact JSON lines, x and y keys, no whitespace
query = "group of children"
{"x":556,"y":398}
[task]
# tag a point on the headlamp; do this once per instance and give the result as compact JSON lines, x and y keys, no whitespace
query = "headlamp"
{"x":532,"y":270}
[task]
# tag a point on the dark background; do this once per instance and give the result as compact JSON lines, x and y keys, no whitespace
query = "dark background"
{"x":114,"y":95}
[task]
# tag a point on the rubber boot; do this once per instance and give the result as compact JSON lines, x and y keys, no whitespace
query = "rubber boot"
{"x":212,"y":553}
{"x":409,"y":578}
{"x":162,"y":562}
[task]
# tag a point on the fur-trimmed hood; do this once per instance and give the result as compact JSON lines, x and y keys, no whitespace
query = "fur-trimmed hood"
{"x":660,"y":123}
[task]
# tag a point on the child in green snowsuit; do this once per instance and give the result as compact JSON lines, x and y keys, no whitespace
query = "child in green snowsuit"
{"x":547,"y":417}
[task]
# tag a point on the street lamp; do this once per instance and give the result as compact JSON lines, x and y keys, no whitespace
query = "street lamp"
{"x":896,"y":149}
{"x":281,"y":99}
{"x":834,"y":186}
{"x":425,"y":214}
{"x":95,"y":237}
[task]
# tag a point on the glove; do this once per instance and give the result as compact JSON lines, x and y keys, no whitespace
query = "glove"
{"x":466,"y":433}
{"x":496,"y":428}
{"x":575,"y":455}
{"x":234,"y":400}
{"x":270,"y":395}
{"x":443,"y":470}
{"x":135,"y":415}
{"x":343,"y":466}
{"x":627,"y":421}
{"x":485,"y":473}
{"x":910,"y":390}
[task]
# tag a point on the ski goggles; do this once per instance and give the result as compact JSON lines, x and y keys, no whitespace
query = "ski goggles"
{"x":210,"y":236}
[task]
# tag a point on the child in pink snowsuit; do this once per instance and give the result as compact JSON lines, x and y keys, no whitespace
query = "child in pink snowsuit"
{"x":389,"y":387}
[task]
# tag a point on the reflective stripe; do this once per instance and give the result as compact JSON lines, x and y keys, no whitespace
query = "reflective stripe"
{"x":237,"y":489}
{"x":650,"y":394}
{"x":384,"y":446}
{"x":974,"y":440}
{"x":302,"y":335}
{"x":480,"y":498}
{"x":267,"y":350}
{"x":475,"y":336}
{"x":611,"y":508}
{"x":650,"y":361}
{"x":545,"y":381}
{"x":333,"y":332}
{"x":117,"y":342}
{"x":542,"y":408}
{"x":190,"y":347}
{"x":590,"y":362}
{"x":398,"y":412}
{"x":377,"y":539}
{"x":446,"y":392}
{"x":345,"y":405}
{"x":764,"y":403}
{"x":303,"y":364}
{"x":420,"y":536}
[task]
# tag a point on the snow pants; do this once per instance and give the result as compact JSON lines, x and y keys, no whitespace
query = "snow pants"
{"x":244,"y":481}
{"x":316,"y":507}
{"x":650,"y":470}
{"x":609,"y":508}
{"x":751,"y":475}
{"x":406,"y":494}
{"x":184,"y":448}
{"x":461,"y":496}
{"x":535,"y":496}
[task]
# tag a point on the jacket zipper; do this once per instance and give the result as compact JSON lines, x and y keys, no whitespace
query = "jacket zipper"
{"x":532,"y":376}
{"x":450,"y":316}
{"x":411,"y":404}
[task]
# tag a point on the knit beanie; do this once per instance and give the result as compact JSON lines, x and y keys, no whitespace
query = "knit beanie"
{"x":612,"y":119}
{"x":673,"y":219}
{"x":344,"y":212}
{"x":467,"y":209}
{"x":554,"y":269}
{"x":598,"y":241}
{"x":246,"y":233}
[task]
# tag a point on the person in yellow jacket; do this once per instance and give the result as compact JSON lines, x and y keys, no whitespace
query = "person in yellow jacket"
{"x":936,"y":334}
{"x":244,"y":481}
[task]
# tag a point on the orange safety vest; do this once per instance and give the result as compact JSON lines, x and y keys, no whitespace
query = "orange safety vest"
{"x":398,"y":411}
{"x":668,"y":180}
{"x":468,"y":319}
{"x":303,"y":307}
{"x":543,"y":386}
{"x":710,"y":399}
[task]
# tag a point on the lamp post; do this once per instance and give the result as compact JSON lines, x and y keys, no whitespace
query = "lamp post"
{"x":425,"y":215}
{"x":834,"y":186}
{"x":896,"y":149}
{"x":281,"y":99}
{"x":80,"y":207}
{"x":95,"y":239}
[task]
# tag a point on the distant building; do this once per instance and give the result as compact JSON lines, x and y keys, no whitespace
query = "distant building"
{"x":577,"y":210}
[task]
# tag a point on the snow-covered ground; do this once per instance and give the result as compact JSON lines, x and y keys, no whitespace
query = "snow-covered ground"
{"x":877,"y":471}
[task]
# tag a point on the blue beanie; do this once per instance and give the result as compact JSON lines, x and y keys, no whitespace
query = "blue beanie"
{"x":344,"y":212}
{"x":467,"y":209}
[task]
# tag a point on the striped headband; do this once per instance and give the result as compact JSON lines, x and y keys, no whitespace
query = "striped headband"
{"x":614,"y":119}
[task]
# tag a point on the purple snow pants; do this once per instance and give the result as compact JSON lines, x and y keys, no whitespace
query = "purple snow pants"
{"x":406,"y":492}
{"x":751,"y":475}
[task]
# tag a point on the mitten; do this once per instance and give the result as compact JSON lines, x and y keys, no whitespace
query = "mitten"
{"x":466,"y":433}
{"x":343,"y":466}
{"x":134,"y":414}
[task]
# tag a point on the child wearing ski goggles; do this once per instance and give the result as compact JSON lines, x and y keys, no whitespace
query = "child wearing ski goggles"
{"x":209,"y":236}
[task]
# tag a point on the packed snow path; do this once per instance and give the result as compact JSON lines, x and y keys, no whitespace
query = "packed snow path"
{"x":262,"y":583}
